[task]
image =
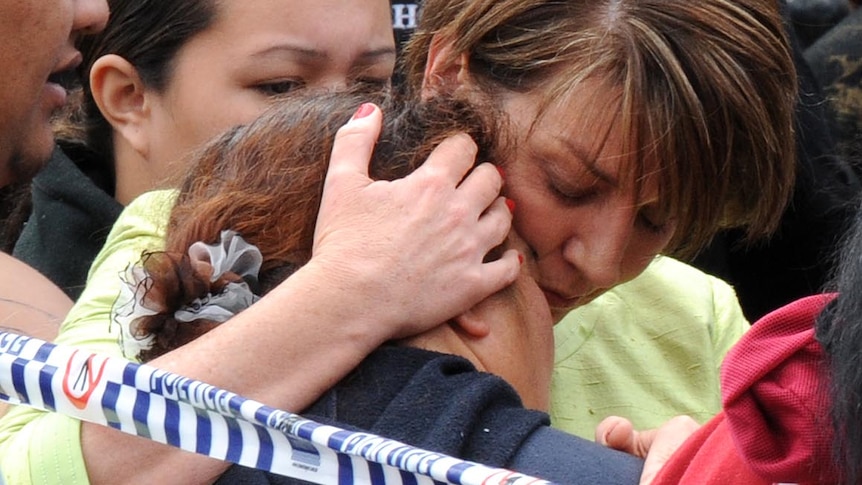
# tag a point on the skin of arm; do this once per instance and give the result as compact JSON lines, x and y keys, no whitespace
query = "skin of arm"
{"x":307,"y":333}
{"x":30,"y":304}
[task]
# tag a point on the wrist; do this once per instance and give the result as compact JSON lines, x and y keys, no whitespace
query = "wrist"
{"x":348,"y":302}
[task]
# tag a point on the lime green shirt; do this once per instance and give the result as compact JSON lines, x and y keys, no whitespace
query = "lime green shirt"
{"x":648,"y":350}
{"x":45,"y":448}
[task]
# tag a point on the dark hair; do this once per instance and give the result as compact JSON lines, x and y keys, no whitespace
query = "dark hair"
{"x":839,"y":331}
{"x":146,"y":33}
{"x":264,"y":181}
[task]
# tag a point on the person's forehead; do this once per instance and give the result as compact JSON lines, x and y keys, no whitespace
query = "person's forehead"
{"x":311,"y":26}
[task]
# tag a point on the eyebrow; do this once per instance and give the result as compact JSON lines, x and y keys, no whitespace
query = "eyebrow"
{"x":587,"y":159}
{"x":366,"y":56}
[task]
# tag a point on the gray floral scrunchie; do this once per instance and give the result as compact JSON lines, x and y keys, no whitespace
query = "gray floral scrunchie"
{"x":231,"y":254}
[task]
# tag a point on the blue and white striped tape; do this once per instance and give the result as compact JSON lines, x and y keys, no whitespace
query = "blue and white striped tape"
{"x":195,"y":416}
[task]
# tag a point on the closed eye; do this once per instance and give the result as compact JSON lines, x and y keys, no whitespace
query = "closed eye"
{"x":573,"y":197}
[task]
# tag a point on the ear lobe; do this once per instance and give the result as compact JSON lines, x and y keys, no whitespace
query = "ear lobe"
{"x":122,"y":98}
{"x":473,"y":325}
{"x":444,"y":71}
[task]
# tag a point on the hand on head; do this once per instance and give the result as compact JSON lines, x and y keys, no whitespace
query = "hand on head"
{"x":656,"y":446}
{"x":430,"y":230}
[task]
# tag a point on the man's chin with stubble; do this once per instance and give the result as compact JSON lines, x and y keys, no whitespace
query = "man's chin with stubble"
{"x":20,"y":168}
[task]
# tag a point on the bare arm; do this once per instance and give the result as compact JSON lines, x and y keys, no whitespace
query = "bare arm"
{"x":390,"y":259}
{"x":30,"y":304}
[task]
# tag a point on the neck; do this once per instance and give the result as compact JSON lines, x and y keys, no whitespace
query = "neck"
{"x":495,"y":354}
{"x":446,"y":340}
{"x":135,"y":174}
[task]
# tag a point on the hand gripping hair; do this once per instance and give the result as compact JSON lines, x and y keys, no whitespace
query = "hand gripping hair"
{"x":263,"y":182}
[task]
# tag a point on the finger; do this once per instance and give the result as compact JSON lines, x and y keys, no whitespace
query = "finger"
{"x":450,"y":160}
{"x":483,"y":185}
{"x":617,"y":433}
{"x":663,"y":444}
{"x":642,"y":442}
{"x":494,"y":225}
{"x":354,"y":144}
{"x":500,"y":273}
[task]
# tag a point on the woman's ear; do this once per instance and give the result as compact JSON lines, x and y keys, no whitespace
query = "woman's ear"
{"x":444,"y":71}
{"x":472,"y":323}
{"x":121,"y":97}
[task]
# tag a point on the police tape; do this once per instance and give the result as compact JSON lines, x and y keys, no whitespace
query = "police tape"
{"x":195,"y":416}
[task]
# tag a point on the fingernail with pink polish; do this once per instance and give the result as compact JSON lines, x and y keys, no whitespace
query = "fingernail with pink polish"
{"x":363,"y":111}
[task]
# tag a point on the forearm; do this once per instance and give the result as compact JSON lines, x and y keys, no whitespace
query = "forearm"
{"x":284,"y":351}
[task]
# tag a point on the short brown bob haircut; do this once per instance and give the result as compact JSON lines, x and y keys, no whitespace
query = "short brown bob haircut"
{"x":705,"y":89}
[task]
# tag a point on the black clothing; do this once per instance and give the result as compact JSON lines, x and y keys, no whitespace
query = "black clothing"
{"x":836,"y":61}
{"x":70,"y":220}
{"x":440,"y":403}
{"x":813,"y":18}
{"x":797,"y":261}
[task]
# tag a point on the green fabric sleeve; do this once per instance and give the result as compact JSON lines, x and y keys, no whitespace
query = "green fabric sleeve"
{"x":45,"y":448}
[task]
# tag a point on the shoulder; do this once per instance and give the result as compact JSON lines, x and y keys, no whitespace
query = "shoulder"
{"x":669,"y":291}
{"x":152,"y":208}
{"x":563,"y":458}
{"x":141,"y":227}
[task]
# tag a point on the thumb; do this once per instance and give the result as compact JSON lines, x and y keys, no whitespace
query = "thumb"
{"x":617,"y":433}
{"x":353,"y":146}
{"x":662,"y":443}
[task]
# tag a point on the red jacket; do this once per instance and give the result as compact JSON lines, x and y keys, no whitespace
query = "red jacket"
{"x":775,"y":425}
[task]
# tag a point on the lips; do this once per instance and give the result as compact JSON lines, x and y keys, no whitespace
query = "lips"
{"x":66,"y":75}
{"x":67,"y":79}
{"x":558,"y":301}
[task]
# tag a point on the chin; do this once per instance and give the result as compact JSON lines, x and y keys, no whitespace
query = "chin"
{"x":26,"y":163}
{"x":558,"y":314}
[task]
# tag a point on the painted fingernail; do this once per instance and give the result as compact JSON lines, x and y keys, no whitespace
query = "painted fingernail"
{"x":511,"y":205}
{"x":502,"y":172}
{"x":520,"y":258}
{"x":364,"y":110}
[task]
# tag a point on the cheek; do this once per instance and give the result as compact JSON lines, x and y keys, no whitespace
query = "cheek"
{"x":536,"y":218}
{"x":212,"y":102}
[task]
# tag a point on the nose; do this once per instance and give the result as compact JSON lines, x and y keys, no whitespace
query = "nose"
{"x":91,"y":16}
{"x":598,"y":249}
